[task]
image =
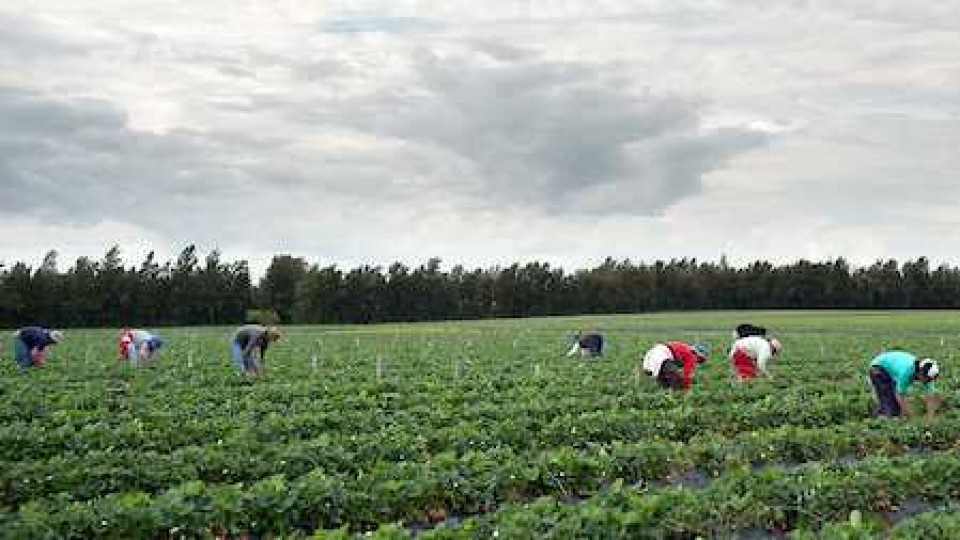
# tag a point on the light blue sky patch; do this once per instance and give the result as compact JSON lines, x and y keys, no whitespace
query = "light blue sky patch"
{"x":359,"y":24}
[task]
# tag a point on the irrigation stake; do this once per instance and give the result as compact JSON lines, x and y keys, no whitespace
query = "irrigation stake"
{"x":458,"y":369}
{"x":379,"y":367}
{"x":425,"y":349}
{"x":313,"y":362}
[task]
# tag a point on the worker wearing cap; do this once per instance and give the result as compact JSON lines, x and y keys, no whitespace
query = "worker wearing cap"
{"x":748,"y":329}
{"x":893,"y":372}
{"x":139,"y":345}
{"x":249,"y":345}
{"x":30,"y":344}
{"x":589,"y":344}
{"x":751,"y":356}
{"x":673,"y":363}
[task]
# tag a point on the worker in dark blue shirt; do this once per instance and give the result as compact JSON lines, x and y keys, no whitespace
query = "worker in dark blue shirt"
{"x":30,"y":344}
{"x":589,"y":344}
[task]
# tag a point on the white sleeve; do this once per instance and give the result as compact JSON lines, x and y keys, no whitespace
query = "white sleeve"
{"x":573,"y":350}
{"x":764,"y":354}
{"x":655,"y":358}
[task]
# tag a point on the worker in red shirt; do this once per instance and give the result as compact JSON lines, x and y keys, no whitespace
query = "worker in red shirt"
{"x":673,"y":363}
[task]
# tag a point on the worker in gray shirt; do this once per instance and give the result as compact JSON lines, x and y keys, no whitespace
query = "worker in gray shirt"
{"x":248,"y":346}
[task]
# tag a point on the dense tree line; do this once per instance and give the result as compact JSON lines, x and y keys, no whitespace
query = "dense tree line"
{"x":106,"y":293}
{"x":192,"y":291}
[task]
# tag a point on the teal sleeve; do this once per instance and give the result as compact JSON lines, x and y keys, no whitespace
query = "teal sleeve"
{"x":903,"y":385}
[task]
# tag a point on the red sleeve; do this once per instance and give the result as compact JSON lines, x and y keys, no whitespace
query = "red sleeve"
{"x":683,"y":352}
{"x":689,"y":364}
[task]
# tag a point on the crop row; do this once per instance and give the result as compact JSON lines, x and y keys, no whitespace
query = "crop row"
{"x":236,"y":460}
{"x":243,"y":458}
{"x":172,"y":393}
{"x":767,"y":502}
{"x":165,"y":435}
{"x":448,"y":484}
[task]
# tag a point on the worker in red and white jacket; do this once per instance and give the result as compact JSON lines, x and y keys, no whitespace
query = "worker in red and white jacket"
{"x":673,"y":363}
{"x":137,"y":346}
{"x":751,"y":355}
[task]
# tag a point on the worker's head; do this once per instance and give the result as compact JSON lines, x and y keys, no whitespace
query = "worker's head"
{"x":56,"y":336}
{"x":702,"y":351}
{"x":928,"y":370}
{"x":273,"y":333}
{"x":776,"y":346}
{"x":155,"y":343}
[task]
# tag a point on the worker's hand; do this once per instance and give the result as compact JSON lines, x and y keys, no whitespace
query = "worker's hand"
{"x":932,"y":402}
{"x":905,"y":407}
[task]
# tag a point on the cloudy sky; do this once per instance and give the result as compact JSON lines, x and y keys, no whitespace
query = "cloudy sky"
{"x":368,"y":131}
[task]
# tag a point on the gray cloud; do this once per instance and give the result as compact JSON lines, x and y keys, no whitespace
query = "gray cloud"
{"x":370,"y":129}
{"x":78,"y":162}
{"x":557,"y":137}
{"x":25,"y":38}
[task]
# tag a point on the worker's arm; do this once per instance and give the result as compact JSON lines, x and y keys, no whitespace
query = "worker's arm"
{"x":932,"y":402}
{"x":763,"y":357}
{"x":573,"y":350}
{"x":905,"y":407}
{"x":689,"y":365}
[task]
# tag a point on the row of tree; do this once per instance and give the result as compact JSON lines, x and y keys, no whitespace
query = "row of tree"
{"x":191,"y":291}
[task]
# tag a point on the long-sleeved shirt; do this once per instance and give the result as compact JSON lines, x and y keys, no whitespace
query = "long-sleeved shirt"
{"x":756,"y":347}
{"x":587,"y":344}
{"x":35,"y":338}
{"x":132,"y":341}
{"x":654,"y":359}
{"x":141,"y":336}
{"x":250,"y":337}
{"x":901,"y":366}
{"x":685,"y":353}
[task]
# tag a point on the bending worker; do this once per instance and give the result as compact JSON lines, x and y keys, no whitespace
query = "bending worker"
{"x":751,"y":355}
{"x":249,"y":345}
{"x":30,"y":344}
{"x":139,"y":345}
{"x":587,"y":344}
{"x":673,"y":363}
{"x":893,"y":372}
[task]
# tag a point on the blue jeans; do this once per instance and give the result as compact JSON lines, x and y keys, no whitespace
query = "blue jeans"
{"x":22,"y":353}
{"x":241,"y":363}
{"x":236,"y":356}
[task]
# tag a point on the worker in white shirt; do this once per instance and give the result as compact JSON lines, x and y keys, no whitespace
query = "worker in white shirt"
{"x":751,"y":356}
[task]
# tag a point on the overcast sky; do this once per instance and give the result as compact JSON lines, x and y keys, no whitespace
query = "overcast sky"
{"x":364,"y":132}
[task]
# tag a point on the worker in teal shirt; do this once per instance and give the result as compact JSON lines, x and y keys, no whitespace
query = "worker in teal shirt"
{"x":893,"y":372}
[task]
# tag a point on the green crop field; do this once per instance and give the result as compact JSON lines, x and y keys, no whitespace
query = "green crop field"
{"x":481,"y":430}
